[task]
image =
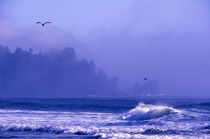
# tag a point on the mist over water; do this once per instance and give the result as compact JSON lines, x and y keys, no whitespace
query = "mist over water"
{"x":52,"y":74}
{"x":166,"y":41}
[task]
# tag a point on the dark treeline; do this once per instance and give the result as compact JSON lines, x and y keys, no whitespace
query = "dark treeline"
{"x":59,"y":73}
{"x":51,"y":74}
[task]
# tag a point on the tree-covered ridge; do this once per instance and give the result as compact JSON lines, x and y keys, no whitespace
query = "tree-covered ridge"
{"x":51,"y":74}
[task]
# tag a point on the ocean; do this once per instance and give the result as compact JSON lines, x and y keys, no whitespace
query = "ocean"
{"x":86,"y":118}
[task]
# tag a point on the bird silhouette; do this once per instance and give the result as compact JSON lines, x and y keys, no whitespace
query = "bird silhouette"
{"x":145,"y":78}
{"x":43,"y":24}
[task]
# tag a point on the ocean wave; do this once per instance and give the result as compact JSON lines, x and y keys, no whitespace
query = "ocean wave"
{"x":103,"y":132}
{"x":147,"y":111}
{"x":61,"y":129}
{"x":166,"y":132}
{"x":162,"y":121}
{"x":195,"y":105}
{"x":95,"y":125}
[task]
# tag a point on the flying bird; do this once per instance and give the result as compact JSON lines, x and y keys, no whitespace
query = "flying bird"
{"x":145,"y":78}
{"x":43,"y":24}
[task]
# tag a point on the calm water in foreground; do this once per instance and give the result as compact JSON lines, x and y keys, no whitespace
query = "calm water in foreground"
{"x":105,"y":118}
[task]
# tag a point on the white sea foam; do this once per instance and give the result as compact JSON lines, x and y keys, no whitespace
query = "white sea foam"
{"x":148,"y":111}
{"x":105,"y":125}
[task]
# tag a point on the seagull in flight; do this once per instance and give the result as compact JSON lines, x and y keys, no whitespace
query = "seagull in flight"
{"x":43,"y":24}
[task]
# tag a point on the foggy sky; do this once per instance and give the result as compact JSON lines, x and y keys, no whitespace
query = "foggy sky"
{"x":165,"y":40}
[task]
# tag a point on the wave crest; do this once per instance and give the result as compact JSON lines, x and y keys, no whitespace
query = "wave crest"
{"x":147,"y":111}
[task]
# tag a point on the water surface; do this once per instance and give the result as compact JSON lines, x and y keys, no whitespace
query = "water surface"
{"x":105,"y":118}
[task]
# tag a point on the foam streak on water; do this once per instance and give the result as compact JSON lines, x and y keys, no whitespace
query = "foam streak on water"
{"x":143,"y":121}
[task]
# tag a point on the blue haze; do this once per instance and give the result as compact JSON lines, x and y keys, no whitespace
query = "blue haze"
{"x":165,"y":40}
{"x":56,"y":73}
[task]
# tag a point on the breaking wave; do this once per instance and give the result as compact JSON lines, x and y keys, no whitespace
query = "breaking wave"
{"x":134,"y":120}
{"x":147,"y":111}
